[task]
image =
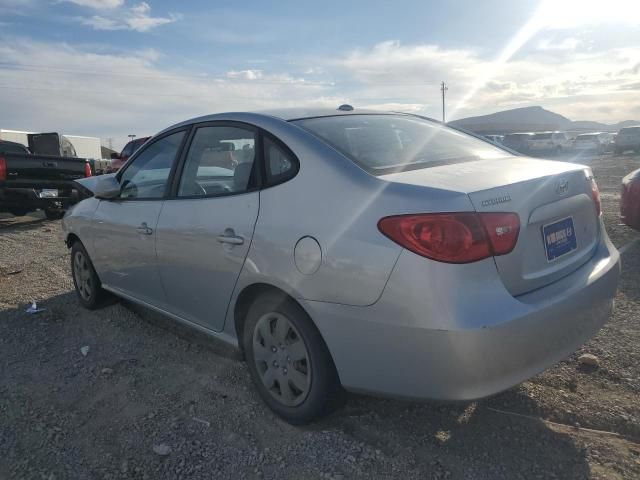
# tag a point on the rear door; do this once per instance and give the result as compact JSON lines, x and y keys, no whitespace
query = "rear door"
{"x":124,"y":229}
{"x":205,"y":229}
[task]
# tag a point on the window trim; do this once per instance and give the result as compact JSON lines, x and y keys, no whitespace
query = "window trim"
{"x":257,"y":174}
{"x":187,"y":131}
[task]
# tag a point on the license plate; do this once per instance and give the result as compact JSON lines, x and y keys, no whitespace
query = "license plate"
{"x":559,"y":238}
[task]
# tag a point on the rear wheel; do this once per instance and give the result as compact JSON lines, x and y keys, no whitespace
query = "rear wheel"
{"x":85,"y":278}
{"x":289,"y":361}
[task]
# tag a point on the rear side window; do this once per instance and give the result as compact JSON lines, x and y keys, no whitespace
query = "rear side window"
{"x":220,"y":161}
{"x":384,"y":144}
{"x":280,"y":164}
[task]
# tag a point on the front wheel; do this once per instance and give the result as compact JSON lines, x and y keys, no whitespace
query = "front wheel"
{"x":289,"y":361}
{"x":18,"y":212}
{"x":85,"y":278}
{"x":53,"y":214}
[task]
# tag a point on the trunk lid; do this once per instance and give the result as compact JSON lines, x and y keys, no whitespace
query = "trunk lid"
{"x":543,"y":194}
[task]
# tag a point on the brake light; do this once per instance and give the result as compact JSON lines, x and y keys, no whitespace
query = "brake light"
{"x":3,"y":169}
{"x":87,"y":169}
{"x":463,"y":237}
{"x":595,"y":194}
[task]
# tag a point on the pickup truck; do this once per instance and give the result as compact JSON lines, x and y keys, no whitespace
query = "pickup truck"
{"x":31,"y":181}
{"x":119,"y":159}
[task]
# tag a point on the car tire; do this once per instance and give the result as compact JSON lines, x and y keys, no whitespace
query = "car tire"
{"x":282,"y":344}
{"x":53,"y":214}
{"x":18,"y":212}
{"x":85,"y":279}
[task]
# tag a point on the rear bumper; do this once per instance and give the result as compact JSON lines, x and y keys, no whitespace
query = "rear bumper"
{"x":28,"y":199}
{"x":459,"y":340}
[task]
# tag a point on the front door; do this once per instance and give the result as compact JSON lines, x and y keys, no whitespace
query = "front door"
{"x":205,"y":230}
{"x":125,"y":228}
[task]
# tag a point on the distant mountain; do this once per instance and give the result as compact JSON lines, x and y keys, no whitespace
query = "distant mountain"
{"x":531,"y":119}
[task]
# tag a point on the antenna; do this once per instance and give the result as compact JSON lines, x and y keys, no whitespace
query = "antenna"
{"x":443,"y":88}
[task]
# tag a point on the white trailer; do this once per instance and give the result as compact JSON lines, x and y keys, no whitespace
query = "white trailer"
{"x":14,"y":136}
{"x":85,"y":147}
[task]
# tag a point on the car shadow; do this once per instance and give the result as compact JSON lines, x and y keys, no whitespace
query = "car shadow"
{"x":32,"y":221}
{"x":41,"y":353}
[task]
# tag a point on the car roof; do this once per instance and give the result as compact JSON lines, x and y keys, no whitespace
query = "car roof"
{"x":285,"y":114}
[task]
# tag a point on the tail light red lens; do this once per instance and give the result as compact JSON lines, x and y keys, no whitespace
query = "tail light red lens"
{"x":595,"y":194}
{"x":3,"y":169}
{"x":463,"y":237}
{"x":87,"y":170}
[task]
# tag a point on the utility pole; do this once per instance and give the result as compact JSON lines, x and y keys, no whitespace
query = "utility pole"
{"x":443,"y":88}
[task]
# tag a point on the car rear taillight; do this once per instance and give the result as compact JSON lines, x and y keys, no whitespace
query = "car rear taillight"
{"x":87,"y":170}
{"x":454,"y":237}
{"x":3,"y":169}
{"x":595,"y":194}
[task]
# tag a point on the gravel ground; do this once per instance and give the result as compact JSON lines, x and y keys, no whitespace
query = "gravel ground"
{"x":151,"y":399}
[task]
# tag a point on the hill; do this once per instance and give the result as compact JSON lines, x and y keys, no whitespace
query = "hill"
{"x":531,"y":119}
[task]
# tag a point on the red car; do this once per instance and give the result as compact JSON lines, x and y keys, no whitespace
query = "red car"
{"x":117,"y":160}
{"x":630,"y":200}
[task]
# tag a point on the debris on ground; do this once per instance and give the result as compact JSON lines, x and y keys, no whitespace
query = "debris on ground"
{"x":162,"y":449}
{"x":84,"y":350}
{"x":589,"y":359}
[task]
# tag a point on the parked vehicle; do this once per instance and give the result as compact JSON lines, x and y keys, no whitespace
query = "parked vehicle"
{"x":550,"y":142}
{"x":499,"y":139}
{"x":517,"y":141}
{"x":599,"y":142}
{"x":29,"y":182}
{"x":630,"y":200}
{"x":628,"y":138}
{"x":118,"y":160}
{"x":376,"y":252}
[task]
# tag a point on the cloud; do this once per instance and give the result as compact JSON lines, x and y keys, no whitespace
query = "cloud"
{"x":245,"y":74}
{"x":565,"y":44}
{"x":58,"y":87}
{"x":137,"y":18}
{"x":98,"y":4}
{"x":395,"y":73}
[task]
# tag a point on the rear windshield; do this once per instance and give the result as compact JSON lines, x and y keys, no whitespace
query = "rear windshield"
{"x":630,"y":130}
{"x":541,"y":136}
{"x":388,"y":143}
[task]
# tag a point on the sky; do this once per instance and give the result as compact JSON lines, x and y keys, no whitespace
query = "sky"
{"x":110,"y":68}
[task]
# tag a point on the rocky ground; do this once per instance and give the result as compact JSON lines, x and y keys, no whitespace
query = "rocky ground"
{"x":123,"y":393}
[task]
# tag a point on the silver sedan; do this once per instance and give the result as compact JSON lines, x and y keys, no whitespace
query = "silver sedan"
{"x":352,"y":250}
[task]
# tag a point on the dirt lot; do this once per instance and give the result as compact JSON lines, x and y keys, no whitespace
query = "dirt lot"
{"x":146,"y":382}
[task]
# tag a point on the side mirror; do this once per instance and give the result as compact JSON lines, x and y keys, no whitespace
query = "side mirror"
{"x":115,"y":156}
{"x":107,"y":187}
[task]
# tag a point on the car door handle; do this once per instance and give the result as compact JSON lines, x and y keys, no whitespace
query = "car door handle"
{"x":230,"y":238}
{"x":144,"y":229}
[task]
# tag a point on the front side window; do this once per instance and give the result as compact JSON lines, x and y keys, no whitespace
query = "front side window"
{"x":220,"y":161}
{"x":386,"y":143}
{"x":147,"y":176}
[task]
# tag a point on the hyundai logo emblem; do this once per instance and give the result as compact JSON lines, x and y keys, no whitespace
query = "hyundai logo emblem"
{"x":562,"y":187}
